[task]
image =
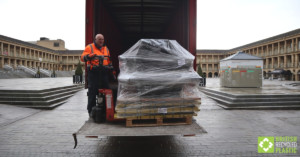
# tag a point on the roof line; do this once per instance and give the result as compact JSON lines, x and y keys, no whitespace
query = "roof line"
{"x":276,"y":37}
{"x":6,"y":38}
{"x":24,"y":43}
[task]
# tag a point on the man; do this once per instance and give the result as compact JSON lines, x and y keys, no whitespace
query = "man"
{"x":97,"y":77}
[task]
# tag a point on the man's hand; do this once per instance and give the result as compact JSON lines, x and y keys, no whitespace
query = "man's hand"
{"x":89,"y":57}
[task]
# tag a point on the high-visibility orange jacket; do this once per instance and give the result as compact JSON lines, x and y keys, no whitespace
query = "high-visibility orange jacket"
{"x":102,"y":52}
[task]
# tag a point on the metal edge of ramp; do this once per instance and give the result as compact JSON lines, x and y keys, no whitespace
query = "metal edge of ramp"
{"x":93,"y":130}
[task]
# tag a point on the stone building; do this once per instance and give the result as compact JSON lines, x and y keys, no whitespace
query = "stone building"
{"x":14,"y":52}
{"x":51,"y":44}
{"x":278,"y":52}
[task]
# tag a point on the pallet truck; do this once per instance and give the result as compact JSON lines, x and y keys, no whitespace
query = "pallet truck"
{"x":106,"y":98}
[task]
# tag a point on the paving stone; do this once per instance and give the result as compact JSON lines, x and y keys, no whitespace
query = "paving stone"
{"x":31,"y":132}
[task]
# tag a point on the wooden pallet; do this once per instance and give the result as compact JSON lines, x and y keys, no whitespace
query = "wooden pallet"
{"x":158,"y":121}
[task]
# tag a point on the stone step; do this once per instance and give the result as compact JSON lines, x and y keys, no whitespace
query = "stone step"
{"x":37,"y":93}
{"x":250,"y":98}
{"x":39,"y":99}
{"x":255,"y":105}
{"x":37,"y":103}
{"x":252,"y":95}
{"x":47,"y":107}
{"x":34,"y":97}
{"x":230,"y":101}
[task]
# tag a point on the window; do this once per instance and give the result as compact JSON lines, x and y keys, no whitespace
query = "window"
{"x":56,"y":44}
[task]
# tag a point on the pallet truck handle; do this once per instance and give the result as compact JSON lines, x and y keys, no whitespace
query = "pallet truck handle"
{"x":75,"y":140}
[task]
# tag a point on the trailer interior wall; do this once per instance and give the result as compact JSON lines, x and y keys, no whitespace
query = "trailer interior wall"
{"x":123,"y":22}
{"x":100,"y":21}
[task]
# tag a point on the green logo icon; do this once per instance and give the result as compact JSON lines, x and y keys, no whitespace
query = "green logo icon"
{"x":265,"y":144}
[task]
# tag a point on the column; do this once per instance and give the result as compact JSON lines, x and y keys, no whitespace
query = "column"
{"x":272,"y":49}
{"x":32,"y":54}
{"x":15,"y":64}
{"x":285,"y":47}
{"x":8,"y":50}
{"x":278,"y":47}
{"x":25,"y":55}
{"x":292,"y":45}
{"x":267,"y":63}
{"x":272,"y":66}
{"x":2,"y":48}
{"x":2,"y":62}
{"x":206,"y":70}
{"x":297,"y":44}
{"x":255,"y":51}
{"x":15,"y":51}
{"x":296,"y":61}
{"x":292,"y":61}
{"x":284,"y":61}
{"x":213,"y":70}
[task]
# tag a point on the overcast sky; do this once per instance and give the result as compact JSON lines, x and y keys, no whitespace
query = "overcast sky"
{"x":221,"y":24}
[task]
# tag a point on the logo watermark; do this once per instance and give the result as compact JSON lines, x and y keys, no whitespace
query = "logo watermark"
{"x":278,"y":144}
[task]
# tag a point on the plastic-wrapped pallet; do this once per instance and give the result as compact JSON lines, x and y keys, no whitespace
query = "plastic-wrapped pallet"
{"x":157,"y":78}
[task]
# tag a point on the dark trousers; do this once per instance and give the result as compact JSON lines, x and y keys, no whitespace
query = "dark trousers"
{"x":96,"y":80}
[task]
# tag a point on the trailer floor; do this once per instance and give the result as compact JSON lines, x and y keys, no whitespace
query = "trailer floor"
{"x":91,"y":128}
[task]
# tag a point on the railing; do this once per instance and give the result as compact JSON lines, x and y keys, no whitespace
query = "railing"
{"x":76,"y":62}
{"x":8,"y":67}
{"x":45,"y":72}
{"x":27,"y":70}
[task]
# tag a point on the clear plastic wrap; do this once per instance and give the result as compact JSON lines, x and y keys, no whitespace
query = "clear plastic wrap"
{"x":157,"y":78}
